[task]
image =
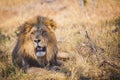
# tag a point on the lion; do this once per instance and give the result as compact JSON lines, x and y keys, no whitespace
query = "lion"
{"x":36,"y":44}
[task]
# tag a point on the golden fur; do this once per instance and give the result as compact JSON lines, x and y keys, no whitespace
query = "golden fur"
{"x":24,"y":54}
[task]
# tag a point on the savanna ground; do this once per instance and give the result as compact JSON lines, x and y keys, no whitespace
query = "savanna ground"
{"x":90,"y":35}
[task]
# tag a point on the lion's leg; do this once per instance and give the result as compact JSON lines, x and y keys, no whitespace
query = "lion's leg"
{"x":42,"y":61}
{"x":57,"y":62}
{"x":25,"y":65}
{"x":54,"y":62}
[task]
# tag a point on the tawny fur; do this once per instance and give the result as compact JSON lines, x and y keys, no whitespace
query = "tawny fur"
{"x":24,"y":55}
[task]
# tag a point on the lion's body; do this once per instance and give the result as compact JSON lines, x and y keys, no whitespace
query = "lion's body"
{"x":24,"y":54}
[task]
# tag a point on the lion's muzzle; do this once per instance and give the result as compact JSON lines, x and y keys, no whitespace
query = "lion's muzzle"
{"x":39,"y":50}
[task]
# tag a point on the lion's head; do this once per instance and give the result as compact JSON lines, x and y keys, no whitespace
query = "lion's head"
{"x":36,"y":40}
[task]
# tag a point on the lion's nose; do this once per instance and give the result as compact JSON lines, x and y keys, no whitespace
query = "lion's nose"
{"x":37,"y":40}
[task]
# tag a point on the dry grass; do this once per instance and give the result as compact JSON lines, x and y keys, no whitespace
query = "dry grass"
{"x":102,"y":24}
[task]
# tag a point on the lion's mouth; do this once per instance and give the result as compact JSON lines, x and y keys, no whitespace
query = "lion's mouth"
{"x":40,"y":51}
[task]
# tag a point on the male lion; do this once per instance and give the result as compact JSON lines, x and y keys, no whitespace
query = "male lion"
{"x":36,"y":45}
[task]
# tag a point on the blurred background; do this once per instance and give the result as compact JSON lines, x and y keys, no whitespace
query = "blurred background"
{"x":86,"y":29}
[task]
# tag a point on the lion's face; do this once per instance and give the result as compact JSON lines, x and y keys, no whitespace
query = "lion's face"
{"x":36,"y":44}
{"x":40,"y":35}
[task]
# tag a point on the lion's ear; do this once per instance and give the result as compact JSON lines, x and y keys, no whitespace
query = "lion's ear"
{"x":27,"y":27}
{"x":24,"y":28}
{"x":51,"y":24}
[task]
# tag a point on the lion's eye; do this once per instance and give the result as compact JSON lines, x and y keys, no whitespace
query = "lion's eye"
{"x":44,"y":33}
{"x":32,"y":32}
